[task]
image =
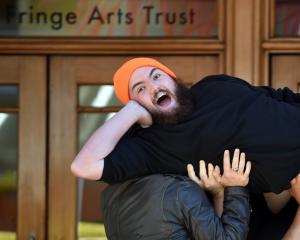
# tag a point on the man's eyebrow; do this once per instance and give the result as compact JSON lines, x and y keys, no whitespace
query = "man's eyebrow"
{"x":151,"y":72}
{"x":136,"y":84}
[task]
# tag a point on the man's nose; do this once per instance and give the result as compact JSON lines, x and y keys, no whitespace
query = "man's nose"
{"x":154,"y":87}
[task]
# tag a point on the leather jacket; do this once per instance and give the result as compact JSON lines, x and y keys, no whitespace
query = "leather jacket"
{"x":172,"y":207}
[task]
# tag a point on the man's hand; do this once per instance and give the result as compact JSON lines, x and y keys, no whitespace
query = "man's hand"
{"x":295,"y":188}
{"x":207,"y":179}
{"x":209,"y":183}
{"x":235,"y":174}
{"x":143,"y":116}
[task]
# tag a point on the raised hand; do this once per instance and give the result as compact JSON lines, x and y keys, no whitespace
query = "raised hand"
{"x":235,"y":173}
{"x":144,"y":118}
{"x":207,"y":179}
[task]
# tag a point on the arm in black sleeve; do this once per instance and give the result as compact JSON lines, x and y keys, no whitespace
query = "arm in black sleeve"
{"x":135,"y":157}
{"x":284,"y":94}
{"x":203,"y":223}
{"x":130,"y":158}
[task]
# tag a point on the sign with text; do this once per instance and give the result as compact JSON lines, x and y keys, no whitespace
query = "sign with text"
{"x":109,"y":18}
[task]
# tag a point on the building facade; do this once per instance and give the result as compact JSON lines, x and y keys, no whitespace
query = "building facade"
{"x":56,"y":66}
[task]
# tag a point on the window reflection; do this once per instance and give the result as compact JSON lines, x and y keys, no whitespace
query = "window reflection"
{"x":9,"y":96}
{"x":97,"y":96}
{"x":287,"y":22}
{"x":8,"y":171}
{"x":89,"y":122}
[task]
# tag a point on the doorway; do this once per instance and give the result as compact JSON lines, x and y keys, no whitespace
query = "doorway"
{"x":49,"y":105}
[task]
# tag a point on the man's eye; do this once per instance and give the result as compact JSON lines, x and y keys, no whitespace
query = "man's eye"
{"x":156,"y":76}
{"x":141,"y":89}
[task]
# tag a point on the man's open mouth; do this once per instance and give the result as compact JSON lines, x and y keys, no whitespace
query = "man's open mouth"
{"x":163,"y":99}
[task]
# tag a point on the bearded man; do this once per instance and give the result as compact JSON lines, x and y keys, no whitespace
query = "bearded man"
{"x":185,"y":125}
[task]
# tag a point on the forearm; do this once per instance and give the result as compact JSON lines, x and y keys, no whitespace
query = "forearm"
{"x":276,"y":202}
{"x":294,"y":231}
{"x":203,"y":223}
{"x":236,"y":213}
{"x":218,"y":203}
{"x":89,"y":161}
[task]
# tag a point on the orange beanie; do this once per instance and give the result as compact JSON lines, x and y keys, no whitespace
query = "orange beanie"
{"x":123,"y":75}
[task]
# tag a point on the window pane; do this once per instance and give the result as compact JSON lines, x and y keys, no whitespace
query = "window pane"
{"x":97,"y":96}
{"x":88,"y":123}
{"x":8,"y":171}
{"x":287,"y":18}
{"x":9,"y":96}
{"x":90,"y":223}
{"x":113,"y":18}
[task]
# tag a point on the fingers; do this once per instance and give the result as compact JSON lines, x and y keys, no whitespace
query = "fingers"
{"x":191,"y":171}
{"x":202,"y":170}
{"x":192,"y":175}
{"x":238,"y":162}
{"x":235,"y":160}
{"x":248,"y":169}
{"x":242,"y":163}
{"x":217,"y":173}
{"x":226,"y":161}
{"x":210,"y":170}
{"x":217,"y":170}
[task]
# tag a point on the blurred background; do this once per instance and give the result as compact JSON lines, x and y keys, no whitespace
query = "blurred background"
{"x":56,"y":66}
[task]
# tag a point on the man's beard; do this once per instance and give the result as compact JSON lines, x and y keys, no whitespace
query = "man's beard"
{"x":184,"y":107}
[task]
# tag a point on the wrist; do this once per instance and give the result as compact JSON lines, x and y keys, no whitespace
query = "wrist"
{"x":132,"y":110}
{"x":218,"y":194}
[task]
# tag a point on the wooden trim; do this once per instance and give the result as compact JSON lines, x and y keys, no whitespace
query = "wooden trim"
{"x":272,"y":17}
{"x":221,"y":19}
{"x":243,"y":43}
{"x":266,"y":10}
{"x":9,"y":110}
{"x":243,"y":49}
{"x":108,"y":46}
{"x":257,"y":37}
{"x":266,"y":70}
{"x":229,"y":37}
{"x":278,"y":45}
{"x":283,"y":51}
{"x":221,"y":63}
{"x":285,"y":40}
{"x":32,"y":148}
{"x":62,"y":150}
